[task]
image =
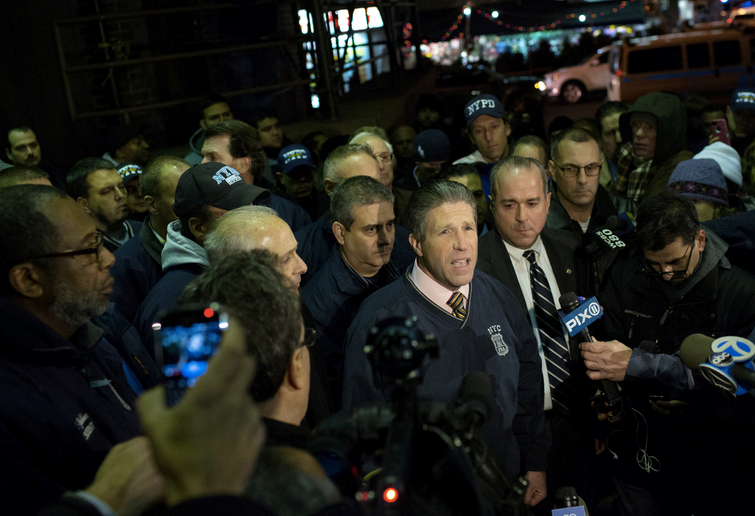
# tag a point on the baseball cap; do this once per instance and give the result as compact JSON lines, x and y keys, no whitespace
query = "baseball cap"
{"x":484,"y":104}
{"x":129,"y":171}
{"x":294,"y":156}
{"x":120,"y":135}
{"x":431,"y":145}
{"x":216,"y":185}
{"x":743,"y":98}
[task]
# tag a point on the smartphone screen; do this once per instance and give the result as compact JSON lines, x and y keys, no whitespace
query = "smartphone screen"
{"x":190,"y":337}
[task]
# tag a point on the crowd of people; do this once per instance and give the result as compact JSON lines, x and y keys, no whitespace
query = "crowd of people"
{"x":310,"y":245}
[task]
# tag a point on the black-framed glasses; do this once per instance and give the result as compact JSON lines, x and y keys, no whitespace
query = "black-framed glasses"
{"x":385,"y":157}
{"x":592,"y":170}
{"x":99,"y":237}
{"x":310,"y":337}
{"x":649,"y":269}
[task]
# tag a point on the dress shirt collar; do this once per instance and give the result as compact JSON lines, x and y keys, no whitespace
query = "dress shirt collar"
{"x":434,"y":291}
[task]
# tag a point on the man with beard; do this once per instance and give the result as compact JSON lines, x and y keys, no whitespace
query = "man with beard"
{"x":23,"y":150}
{"x":65,"y":396}
{"x":98,"y":188}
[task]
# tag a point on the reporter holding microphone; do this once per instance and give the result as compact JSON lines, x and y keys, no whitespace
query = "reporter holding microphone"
{"x":679,"y":284}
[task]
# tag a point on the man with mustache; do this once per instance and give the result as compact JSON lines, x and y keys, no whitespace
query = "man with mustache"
{"x":65,"y":396}
{"x":363,"y":222}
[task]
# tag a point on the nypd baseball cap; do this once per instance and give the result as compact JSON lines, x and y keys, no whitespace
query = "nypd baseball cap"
{"x":129,"y":171}
{"x":743,"y":98}
{"x":294,"y":156}
{"x":216,"y":185}
{"x":484,"y":104}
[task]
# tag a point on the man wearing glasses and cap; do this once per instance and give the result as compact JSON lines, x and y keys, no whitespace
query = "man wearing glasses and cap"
{"x":681,"y":284}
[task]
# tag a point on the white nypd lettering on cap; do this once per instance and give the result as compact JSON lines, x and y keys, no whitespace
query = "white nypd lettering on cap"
{"x":746,"y":96}
{"x":420,"y":151}
{"x":227,"y":174}
{"x":481,"y":104}
{"x":293,"y":155}
{"x":495,"y":335}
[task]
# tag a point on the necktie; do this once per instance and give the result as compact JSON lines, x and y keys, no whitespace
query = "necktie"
{"x":456,"y":302}
{"x":555,"y":348}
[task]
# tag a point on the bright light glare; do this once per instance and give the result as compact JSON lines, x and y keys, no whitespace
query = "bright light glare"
{"x":494,"y":14}
{"x":582,"y":17}
{"x":467,"y":11}
{"x":390,"y":495}
{"x":315,"y":102}
{"x":540,"y":85}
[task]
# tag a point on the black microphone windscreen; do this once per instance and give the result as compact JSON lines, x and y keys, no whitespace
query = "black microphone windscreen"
{"x":568,"y":301}
{"x":475,"y":388}
{"x":615,"y":222}
{"x":695,"y":350}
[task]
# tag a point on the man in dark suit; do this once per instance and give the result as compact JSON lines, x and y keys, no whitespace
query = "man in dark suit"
{"x":538,"y":265}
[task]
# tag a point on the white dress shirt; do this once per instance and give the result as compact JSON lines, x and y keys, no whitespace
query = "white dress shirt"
{"x":522,"y":270}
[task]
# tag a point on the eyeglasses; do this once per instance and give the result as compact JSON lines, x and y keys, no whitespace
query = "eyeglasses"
{"x":649,"y":268}
{"x":385,"y":157}
{"x":310,"y":337}
{"x":592,"y":170}
{"x":99,"y":237}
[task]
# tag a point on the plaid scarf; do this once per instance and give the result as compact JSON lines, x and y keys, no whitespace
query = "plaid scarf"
{"x":633,"y":173}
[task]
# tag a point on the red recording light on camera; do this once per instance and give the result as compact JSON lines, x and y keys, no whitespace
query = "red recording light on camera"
{"x":390,"y":495}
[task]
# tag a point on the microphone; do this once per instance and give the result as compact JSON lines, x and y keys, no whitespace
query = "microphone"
{"x":726,"y":362}
{"x":566,"y":497}
{"x":571,"y":307}
{"x":609,"y":238}
{"x":474,"y":401}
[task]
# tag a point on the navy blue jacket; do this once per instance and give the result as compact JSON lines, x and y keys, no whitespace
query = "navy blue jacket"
{"x":317,"y":241}
{"x":333,"y":296}
{"x":495,"y":338}
{"x":164,"y":296}
{"x":63,"y":405}
{"x":294,"y":215}
{"x":133,"y":227}
{"x":137,"y":270}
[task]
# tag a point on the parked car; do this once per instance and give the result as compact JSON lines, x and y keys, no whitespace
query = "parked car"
{"x":572,"y":82}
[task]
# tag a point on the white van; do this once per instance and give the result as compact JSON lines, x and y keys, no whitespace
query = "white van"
{"x":689,"y":63}
{"x":573,"y":82}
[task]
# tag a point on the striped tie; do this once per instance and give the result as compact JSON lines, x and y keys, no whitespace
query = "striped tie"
{"x":555,"y":348}
{"x":456,"y":302}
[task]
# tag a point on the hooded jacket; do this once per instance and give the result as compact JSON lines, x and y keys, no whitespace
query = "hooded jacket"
{"x":194,"y":157}
{"x":183,"y":260}
{"x":670,"y":140}
{"x":653,"y":317}
{"x":63,"y":404}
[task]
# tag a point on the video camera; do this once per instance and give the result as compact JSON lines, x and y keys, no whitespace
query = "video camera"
{"x":416,"y":456}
